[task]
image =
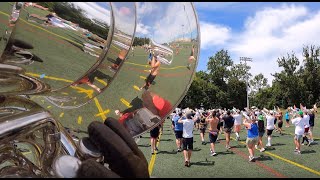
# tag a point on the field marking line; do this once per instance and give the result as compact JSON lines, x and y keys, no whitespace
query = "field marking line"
{"x":48,"y":77}
{"x":61,"y":114}
{"x":153,"y":157}
{"x":79,"y":120}
{"x":142,"y":77}
{"x":103,"y":113}
{"x":136,"y":88}
{"x":288,"y":161}
{"x":125,"y":102}
{"x":96,"y":101}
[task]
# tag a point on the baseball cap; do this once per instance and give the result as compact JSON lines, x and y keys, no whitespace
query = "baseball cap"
{"x":300,"y":112}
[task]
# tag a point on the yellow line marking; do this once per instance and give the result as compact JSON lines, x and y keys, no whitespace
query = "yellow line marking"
{"x":146,"y":70}
{"x":61,"y":115}
{"x":96,"y":101}
{"x":48,"y":107}
{"x":80,"y":120}
{"x":142,"y":77}
{"x":89,"y":92}
{"x":153,"y":158}
{"x":103,"y":113}
{"x":64,"y":93}
{"x":101,"y":81}
{"x":48,"y":77}
{"x":288,"y":161}
{"x":75,"y":102}
{"x":42,"y":101}
{"x":136,"y":87}
{"x":125,"y":102}
{"x":61,"y":104}
{"x":25,"y":153}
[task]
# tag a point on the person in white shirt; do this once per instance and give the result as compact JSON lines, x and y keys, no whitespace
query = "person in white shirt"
{"x":270,"y":124}
{"x":187,"y":135}
{"x":299,"y":122}
{"x":237,"y":124}
{"x":306,"y":118}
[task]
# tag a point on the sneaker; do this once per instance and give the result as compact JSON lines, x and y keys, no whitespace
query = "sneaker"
{"x":213,"y":154}
{"x":179,"y":150}
{"x":203,"y":143}
{"x":296,"y":150}
{"x":256,"y":146}
{"x":302,"y":144}
{"x":251,"y":158}
{"x":262,"y":149}
{"x":268,"y":145}
{"x":228,"y":147}
{"x":186,"y":163}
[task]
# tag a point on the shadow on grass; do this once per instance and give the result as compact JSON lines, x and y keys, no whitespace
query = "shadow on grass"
{"x":225,"y":152}
{"x":278,"y":144}
{"x":308,"y":151}
{"x":144,"y":145}
{"x":196,"y":149}
{"x":167,"y":152}
{"x":203,"y":163}
{"x":264,"y":158}
{"x":166,"y":140}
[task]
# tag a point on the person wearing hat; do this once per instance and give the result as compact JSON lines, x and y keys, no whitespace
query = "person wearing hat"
{"x":261,"y":131}
{"x":299,"y":123}
{"x":188,"y":124}
{"x":270,"y":124}
{"x":252,"y":137}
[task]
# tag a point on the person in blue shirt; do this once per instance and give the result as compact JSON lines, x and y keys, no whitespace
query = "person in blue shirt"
{"x":178,"y":131}
{"x":252,"y":137}
{"x":287,"y":117}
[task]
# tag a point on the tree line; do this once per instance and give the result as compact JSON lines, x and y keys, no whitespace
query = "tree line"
{"x":223,"y":84}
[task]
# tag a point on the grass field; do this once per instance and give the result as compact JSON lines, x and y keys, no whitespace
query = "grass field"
{"x":278,"y":161}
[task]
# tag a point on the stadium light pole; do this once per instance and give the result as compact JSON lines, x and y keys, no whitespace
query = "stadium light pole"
{"x":245,"y":59}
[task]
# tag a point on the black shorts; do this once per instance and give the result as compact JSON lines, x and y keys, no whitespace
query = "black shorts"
{"x":275,"y":121}
{"x":154,"y":133}
{"x":261,"y":133}
{"x":202,"y":130}
{"x":228,"y":129}
{"x":213,"y":136}
{"x":187,"y":143}
{"x":269,"y":132}
{"x":178,"y":134}
{"x":280,"y":123}
{"x":198,"y":121}
{"x":118,"y":61}
{"x":287,"y":120}
{"x":150,"y":79}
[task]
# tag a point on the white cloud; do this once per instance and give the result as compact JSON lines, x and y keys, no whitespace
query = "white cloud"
{"x":141,"y":28}
{"x":269,"y":34}
{"x":95,"y":11}
{"x":212,"y":34}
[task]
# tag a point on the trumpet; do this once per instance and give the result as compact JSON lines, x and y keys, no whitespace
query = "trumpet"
{"x":59,"y":63}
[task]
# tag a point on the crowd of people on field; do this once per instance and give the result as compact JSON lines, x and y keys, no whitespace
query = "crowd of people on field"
{"x":256,"y":122}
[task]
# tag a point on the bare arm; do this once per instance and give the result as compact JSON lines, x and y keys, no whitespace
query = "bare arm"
{"x":246,"y":124}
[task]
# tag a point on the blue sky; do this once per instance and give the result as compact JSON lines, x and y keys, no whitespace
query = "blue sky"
{"x":263,"y":31}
